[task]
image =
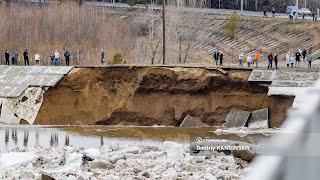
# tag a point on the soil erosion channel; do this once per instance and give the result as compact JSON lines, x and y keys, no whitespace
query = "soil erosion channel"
{"x":147,"y":96}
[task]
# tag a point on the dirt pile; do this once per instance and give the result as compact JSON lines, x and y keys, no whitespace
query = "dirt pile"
{"x":154,"y":96}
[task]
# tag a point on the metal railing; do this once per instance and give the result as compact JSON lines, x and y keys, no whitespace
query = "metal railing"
{"x":294,"y":152}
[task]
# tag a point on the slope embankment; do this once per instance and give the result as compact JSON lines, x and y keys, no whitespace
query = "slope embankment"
{"x":155,"y":96}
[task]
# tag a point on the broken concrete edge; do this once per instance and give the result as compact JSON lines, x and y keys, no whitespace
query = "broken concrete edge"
{"x":190,"y":121}
{"x":247,"y":120}
{"x":259,"y":119}
{"x":237,"y":118}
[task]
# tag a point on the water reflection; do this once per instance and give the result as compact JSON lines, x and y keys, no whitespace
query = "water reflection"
{"x":6,"y":137}
{"x":54,"y":140}
{"x":66,"y":140}
{"x":26,"y":137}
{"x":101,"y":141}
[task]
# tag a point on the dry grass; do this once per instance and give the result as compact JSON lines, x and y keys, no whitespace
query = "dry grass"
{"x":83,"y":30}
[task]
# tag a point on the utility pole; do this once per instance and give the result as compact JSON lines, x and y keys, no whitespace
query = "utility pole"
{"x":297,"y":4}
{"x":163,"y":33}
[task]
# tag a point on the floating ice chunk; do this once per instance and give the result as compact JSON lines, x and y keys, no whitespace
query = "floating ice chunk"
{"x":74,"y":160}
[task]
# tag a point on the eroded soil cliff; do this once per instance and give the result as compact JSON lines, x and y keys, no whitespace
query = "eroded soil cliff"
{"x":155,"y":96}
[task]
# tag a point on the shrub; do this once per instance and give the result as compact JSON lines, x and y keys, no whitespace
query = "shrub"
{"x":232,"y":25}
{"x":117,"y":59}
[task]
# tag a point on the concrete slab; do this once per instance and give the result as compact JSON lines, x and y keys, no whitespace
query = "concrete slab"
{"x":33,"y":70}
{"x":287,"y":84}
{"x":190,"y":121}
{"x":12,"y":91}
{"x":284,"y":91}
{"x":262,"y":75}
{"x":22,"y":80}
{"x":26,"y":106}
{"x":236,"y":118}
{"x":5,"y":78}
{"x":58,"y":70}
{"x":46,"y":80}
{"x":12,"y":70}
{"x":259,"y":119}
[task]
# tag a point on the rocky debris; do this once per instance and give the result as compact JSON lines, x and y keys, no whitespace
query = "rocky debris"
{"x":236,"y":118}
{"x":259,"y":119}
{"x":190,"y":121}
{"x":246,"y":155}
{"x":167,"y":160}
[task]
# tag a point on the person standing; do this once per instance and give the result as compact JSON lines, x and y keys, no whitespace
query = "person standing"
{"x":56,"y":58}
{"x":15,"y":58}
{"x":249,"y":60}
{"x":288,"y":59}
{"x":37,"y":59}
{"x":67,"y":56}
{"x":310,"y":58}
{"x":270,"y":58}
{"x":276,"y":60}
{"x":292,"y":60}
{"x":304,"y":55}
{"x":221,"y":58}
{"x":52,"y":59}
{"x":273,"y":12}
{"x":298,"y":57}
{"x":26,"y":57}
{"x":265,"y":13}
{"x":257,"y":59}
{"x":7,"y":57}
{"x":216,"y":57}
{"x":102,"y":57}
{"x":241,"y":56}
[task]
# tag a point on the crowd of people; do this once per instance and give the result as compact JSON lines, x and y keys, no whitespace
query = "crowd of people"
{"x":13,"y":58}
{"x":253,"y":60}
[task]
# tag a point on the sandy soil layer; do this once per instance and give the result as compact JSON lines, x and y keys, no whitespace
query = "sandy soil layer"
{"x":155,"y":96}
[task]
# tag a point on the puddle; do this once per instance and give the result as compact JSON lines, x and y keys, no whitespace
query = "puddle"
{"x":24,"y":136}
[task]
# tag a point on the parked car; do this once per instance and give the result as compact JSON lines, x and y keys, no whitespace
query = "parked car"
{"x":290,"y":9}
{"x":304,"y":11}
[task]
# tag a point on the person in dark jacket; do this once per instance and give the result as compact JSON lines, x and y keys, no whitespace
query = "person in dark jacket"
{"x":270,"y":58}
{"x":67,"y":56}
{"x":304,"y":55}
{"x":216,"y":56}
{"x":26,"y":57}
{"x":7,"y":57}
{"x":102,"y":57}
{"x":275,"y":58}
{"x":52,"y":59}
{"x":221,"y":58}
{"x":298,"y":57}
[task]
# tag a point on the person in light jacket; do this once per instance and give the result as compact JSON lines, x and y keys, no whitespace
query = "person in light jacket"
{"x":56,"y":58}
{"x":249,"y":60}
{"x":37,"y":59}
{"x":288,"y":59}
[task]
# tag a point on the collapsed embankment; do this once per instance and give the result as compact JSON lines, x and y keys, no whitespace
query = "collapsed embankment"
{"x":155,"y":96}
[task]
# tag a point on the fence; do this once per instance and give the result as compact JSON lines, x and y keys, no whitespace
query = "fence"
{"x":293,"y":154}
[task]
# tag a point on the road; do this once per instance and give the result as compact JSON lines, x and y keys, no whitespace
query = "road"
{"x":200,"y":10}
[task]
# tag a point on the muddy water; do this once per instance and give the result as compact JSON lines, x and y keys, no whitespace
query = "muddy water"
{"x":26,"y":137}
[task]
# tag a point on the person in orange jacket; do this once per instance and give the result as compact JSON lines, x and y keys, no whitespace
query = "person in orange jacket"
{"x":257,"y":59}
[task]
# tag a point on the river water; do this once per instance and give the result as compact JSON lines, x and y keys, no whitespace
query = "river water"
{"x":26,"y":137}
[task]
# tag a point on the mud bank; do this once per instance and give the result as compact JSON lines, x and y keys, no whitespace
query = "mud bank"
{"x":155,"y":96}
